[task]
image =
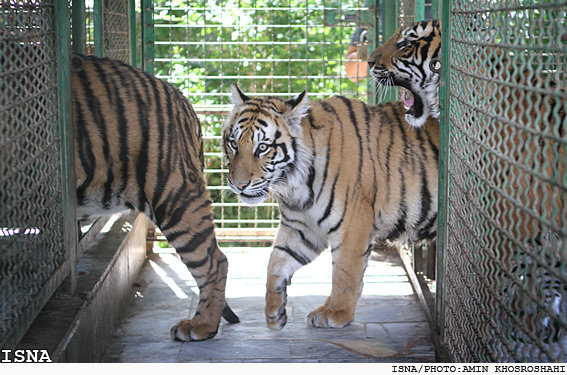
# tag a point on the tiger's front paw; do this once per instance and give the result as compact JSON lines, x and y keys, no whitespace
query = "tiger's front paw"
{"x":276,"y":316}
{"x":327,"y":317}
{"x":189,"y":330}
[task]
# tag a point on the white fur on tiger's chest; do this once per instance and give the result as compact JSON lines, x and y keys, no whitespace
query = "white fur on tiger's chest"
{"x":313,"y":220}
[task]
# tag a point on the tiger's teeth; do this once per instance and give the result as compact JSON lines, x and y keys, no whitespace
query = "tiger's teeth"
{"x":407,"y":99}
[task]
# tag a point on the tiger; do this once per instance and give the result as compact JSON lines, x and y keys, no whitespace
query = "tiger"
{"x":343,"y":174}
{"x":138,"y":147}
{"x":410,"y":59}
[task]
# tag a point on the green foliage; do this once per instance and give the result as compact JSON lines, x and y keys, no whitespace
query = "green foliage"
{"x":267,"y":47}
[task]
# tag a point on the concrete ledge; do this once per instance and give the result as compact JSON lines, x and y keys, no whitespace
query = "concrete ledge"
{"x":76,"y":328}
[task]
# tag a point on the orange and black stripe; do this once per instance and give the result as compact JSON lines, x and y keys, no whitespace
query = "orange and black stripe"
{"x":138,"y":147}
{"x":344,"y":174}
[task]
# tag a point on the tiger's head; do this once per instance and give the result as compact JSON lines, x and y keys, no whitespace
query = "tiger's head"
{"x":262,"y":144}
{"x":411,"y":59}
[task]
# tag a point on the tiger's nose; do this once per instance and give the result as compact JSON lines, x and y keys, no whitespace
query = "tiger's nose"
{"x":371,"y":63}
{"x":241,"y":186}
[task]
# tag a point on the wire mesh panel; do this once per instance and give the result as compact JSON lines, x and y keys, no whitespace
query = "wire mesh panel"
{"x":406,"y":13}
{"x":31,"y":228}
{"x":113,"y":18}
{"x":116,"y":42}
{"x":278,"y":48}
{"x":505,"y":273}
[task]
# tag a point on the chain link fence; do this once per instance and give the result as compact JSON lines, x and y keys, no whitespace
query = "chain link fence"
{"x":38,"y":234}
{"x":116,"y":37}
{"x":111,"y":35}
{"x":32,"y":251}
{"x":501,"y":280}
{"x":505,"y":256}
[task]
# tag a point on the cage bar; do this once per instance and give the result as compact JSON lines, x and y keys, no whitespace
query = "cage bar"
{"x":79,"y":25}
{"x":443,"y":171}
{"x":98,"y":26}
{"x":70,"y":230}
{"x":148,"y":39}
{"x":132,"y":29}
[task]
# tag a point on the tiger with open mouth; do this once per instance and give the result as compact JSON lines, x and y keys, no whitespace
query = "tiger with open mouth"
{"x":410,"y":59}
{"x":520,"y":166}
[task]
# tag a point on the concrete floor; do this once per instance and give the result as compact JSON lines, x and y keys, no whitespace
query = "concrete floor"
{"x":389,"y":326}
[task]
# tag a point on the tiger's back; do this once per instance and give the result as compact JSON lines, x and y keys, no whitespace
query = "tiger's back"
{"x":381,"y":161}
{"x":134,"y":135}
{"x":138,"y":147}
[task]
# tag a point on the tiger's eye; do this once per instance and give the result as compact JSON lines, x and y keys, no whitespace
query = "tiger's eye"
{"x":233,"y":144}
{"x":262,"y":147}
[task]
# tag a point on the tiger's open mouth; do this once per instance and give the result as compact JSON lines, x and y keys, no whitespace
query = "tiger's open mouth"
{"x":412,"y":102}
{"x":417,"y":105}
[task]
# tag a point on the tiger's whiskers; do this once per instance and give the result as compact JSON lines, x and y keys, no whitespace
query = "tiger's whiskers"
{"x":382,"y":87}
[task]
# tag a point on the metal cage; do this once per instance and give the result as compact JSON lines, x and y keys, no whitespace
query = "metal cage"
{"x":504,"y":277}
{"x":109,"y":26}
{"x":500,"y":290}
{"x":36,"y":248}
{"x":38,"y":232}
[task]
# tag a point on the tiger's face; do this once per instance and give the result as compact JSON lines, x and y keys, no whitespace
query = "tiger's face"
{"x":410,"y":59}
{"x":263,"y":147}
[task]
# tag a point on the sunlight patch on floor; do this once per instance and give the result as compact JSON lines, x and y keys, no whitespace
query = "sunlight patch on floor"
{"x":247,"y":275}
{"x":168,"y":280}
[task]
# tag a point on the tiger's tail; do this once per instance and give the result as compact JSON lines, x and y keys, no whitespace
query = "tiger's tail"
{"x":229,"y":315}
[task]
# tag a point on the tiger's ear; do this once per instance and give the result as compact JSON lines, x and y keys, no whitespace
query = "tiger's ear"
{"x":299,"y":107}
{"x":238,"y":97}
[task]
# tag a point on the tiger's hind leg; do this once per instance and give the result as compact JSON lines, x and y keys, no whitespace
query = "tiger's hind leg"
{"x":190,"y":230}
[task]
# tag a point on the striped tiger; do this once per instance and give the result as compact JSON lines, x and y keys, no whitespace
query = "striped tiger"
{"x":343,"y":173}
{"x":522,"y":163}
{"x":138,"y":147}
{"x":410,"y":59}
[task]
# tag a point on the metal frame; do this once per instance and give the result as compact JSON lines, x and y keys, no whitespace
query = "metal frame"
{"x":79,"y":27}
{"x":513,"y":284}
{"x":132,"y":30}
{"x":500,"y":344}
{"x":67,"y":139}
{"x":443,"y":171}
{"x":390,"y":23}
{"x":67,"y":269}
{"x":98,"y":27}
{"x":375,"y":38}
{"x":419,"y":10}
{"x":148,"y":36}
